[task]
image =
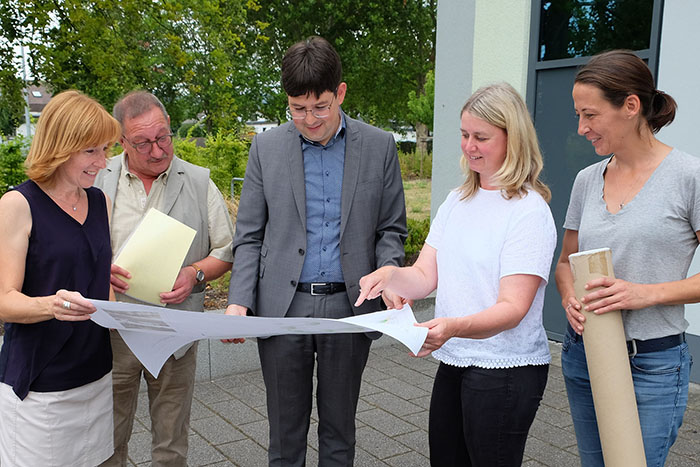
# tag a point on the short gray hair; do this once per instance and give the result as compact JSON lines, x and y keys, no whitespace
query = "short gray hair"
{"x":136,"y":103}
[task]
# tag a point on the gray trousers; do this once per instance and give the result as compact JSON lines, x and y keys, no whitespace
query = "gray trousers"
{"x":288,"y":370}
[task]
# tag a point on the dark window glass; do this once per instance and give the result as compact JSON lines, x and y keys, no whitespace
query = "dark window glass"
{"x":580,"y":28}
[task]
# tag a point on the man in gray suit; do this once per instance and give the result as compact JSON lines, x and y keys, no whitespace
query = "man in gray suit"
{"x":322,"y":205}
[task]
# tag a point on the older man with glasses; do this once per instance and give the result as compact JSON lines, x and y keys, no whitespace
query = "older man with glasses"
{"x":148,"y":175}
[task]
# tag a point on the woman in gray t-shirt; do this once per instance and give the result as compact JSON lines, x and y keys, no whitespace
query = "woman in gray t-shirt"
{"x":643,"y":202}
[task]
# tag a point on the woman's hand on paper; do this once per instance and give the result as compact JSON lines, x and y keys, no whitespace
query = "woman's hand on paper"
{"x":439,"y":332}
{"x":71,"y":306}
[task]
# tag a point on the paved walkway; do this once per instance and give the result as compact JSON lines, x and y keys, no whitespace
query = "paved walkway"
{"x":229,"y":426}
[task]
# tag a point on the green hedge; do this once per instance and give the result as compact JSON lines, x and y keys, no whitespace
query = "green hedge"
{"x":12,"y":154}
{"x":411,"y":166}
{"x":417,"y":232}
{"x":225,"y":154}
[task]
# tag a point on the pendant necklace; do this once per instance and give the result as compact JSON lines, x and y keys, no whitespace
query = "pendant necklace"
{"x":73,"y":206}
{"x":633,"y":185}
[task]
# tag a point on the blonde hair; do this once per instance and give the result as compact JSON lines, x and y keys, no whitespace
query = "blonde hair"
{"x":501,"y":106}
{"x":69,"y":123}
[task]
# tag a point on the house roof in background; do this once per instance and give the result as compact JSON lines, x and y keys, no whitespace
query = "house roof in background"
{"x":38,"y":97}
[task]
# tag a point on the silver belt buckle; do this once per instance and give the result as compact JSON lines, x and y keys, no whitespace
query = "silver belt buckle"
{"x":314,"y":284}
{"x":633,"y":352}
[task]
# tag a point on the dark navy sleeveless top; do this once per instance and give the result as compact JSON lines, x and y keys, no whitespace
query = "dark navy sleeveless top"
{"x":58,"y":355}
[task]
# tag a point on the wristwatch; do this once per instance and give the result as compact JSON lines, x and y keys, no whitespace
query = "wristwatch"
{"x":199,"y":275}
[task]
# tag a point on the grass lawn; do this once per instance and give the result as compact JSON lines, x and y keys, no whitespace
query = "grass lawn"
{"x":417,"y":194}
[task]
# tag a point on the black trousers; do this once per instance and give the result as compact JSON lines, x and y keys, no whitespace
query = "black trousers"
{"x":480,"y":417}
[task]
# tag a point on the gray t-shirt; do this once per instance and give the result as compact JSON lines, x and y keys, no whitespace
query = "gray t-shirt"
{"x":652,"y":237}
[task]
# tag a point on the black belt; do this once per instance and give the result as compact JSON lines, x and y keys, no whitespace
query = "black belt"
{"x":635,"y":346}
{"x":321,"y":288}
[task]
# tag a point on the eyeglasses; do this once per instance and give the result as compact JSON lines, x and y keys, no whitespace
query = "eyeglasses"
{"x":317,"y":112}
{"x":144,"y":147}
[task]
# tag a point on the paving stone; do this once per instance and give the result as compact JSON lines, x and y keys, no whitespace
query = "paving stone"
{"x":369,"y":388}
{"x":257,"y":431}
{"x":378,"y":444}
{"x":216,"y":430}
{"x":209,"y":392}
{"x":556,"y":417}
{"x":401,"y":389}
{"x":556,"y":400}
{"x":550,"y":455}
{"x":675,"y":460}
{"x":417,"y":441}
{"x":140,"y":447}
{"x":245,"y":453}
{"x":410,"y":376}
{"x":687,"y":447}
{"x":423,"y":402}
{"x":199,"y":411}
{"x":380,"y":363}
{"x":365,"y":459}
{"x":250,"y":395}
{"x":235,"y":412}
{"x":142,"y":406}
{"x":385,"y":422}
{"x":201,"y":452}
{"x":419,"y":419}
{"x":372,"y":374}
{"x":551,"y":434}
{"x":392,"y":404}
{"x":531,"y":463}
{"x":410,"y":459}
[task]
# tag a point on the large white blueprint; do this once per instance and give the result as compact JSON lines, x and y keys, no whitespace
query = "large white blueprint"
{"x":154,"y":333}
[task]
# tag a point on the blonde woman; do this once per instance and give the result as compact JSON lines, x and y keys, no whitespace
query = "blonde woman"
{"x":488,"y":253}
{"x":55,"y":364}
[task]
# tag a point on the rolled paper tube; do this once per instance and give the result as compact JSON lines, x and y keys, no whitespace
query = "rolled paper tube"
{"x":609,"y":368}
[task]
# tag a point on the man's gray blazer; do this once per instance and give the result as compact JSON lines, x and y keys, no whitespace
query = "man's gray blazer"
{"x":269,"y":245}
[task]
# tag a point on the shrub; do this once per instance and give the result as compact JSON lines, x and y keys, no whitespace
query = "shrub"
{"x":417,"y":232}
{"x":12,"y":154}
{"x":413,"y":167}
{"x":225,"y":154}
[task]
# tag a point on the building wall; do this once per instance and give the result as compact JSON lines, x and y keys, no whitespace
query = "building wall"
{"x":679,"y":68}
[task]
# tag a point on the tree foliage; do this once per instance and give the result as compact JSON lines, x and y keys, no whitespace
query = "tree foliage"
{"x":386,"y":47}
{"x":421,"y":104}
{"x":218,"y":60}
{"x":184,"y":51}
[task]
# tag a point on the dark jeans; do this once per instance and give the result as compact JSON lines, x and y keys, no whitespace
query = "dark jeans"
{"x":480,"y":417}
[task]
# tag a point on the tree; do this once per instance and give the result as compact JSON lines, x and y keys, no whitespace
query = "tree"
{"x":218,"y":60}
{"x":11,"y":97}
{"x":184,"y":51}
{"x":421,"y":109}
{"x":386,"y":49}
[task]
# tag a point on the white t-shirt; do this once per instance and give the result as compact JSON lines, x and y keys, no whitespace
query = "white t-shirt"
{"x":479,"y":241}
